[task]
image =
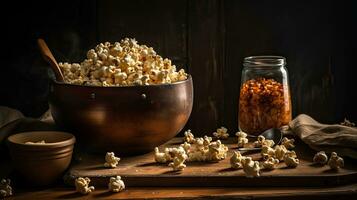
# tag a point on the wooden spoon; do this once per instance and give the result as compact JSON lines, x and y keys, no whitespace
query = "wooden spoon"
{"x":49,"y":58}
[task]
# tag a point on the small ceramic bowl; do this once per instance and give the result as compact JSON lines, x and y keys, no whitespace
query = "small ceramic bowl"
{"x":41,"y":163}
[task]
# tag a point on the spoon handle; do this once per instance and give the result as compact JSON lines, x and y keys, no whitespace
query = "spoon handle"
{"x":49,"y":58}
{"x":250,"y":149}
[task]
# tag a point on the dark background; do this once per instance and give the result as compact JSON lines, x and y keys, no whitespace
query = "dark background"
{"x":208,"y":38}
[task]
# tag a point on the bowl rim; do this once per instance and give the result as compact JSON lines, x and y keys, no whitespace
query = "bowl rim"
{"x":70,"y":141}
{"x":189,"y":78}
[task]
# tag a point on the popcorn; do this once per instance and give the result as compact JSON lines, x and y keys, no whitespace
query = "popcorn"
{"x":288,"y":143}
{"x":242,"y":139}
{"x":82,"y":185}
{"x":186,"y":146}
{"x":335,"y":161}
{"x":251,"y":168}
{"x":236,"y":160}
{"x":39,"y":142}
{"x":280,"y":151}
{"x":263,"y":104}
{"x":217,"y":151}
{"x":205,"y":150}
{"x":261,"y":141}
{"x":162,"y":157}
{"x":221,"y":133}
{"x":116,"y":184}
{"x":189,"y":137}
{"x":347,"y":122}
{"x":267,"y":152}
{"x":320,"y":158}
{"x":5,"y":188}
{"x":291,"y":159}
{"x":123,"y":63}
{"x":180,"y":157}
{"x":111,"y":160}
{"x":270,"y":163}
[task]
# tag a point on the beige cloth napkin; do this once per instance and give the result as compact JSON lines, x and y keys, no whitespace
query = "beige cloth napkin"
{"x":324,"y":137}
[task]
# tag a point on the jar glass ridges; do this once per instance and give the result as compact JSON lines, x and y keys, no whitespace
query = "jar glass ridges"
{"x":264,"y":100}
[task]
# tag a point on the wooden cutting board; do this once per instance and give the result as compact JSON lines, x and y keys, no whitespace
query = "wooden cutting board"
{"x":144,"y":171}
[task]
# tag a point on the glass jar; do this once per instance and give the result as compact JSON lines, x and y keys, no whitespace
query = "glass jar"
{"x":264,"y":100}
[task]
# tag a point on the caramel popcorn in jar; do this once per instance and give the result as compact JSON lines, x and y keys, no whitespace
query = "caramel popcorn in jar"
{"x":264,"y":100}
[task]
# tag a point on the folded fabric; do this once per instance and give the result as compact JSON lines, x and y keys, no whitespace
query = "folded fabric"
{"x":324,"y":137}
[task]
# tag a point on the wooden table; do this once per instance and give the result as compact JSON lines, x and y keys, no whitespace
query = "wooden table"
{"x":347,"y":191}
{"x":60,"y":191}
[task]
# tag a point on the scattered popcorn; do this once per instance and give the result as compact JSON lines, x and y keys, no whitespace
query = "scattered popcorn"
{"x":236,"y":160}
{"x":111,"y":160}
{"x":251,"y":168}
{"x":39,"y":142}
{"x":270,"y":163}
{"x":116,"y":184}
{"x":267,"y":152}
{"x":242,"y":139}
{"x":291,"y":159}
{"x":189,"y":137}
{"x":5,"y":188}
{"x":200,"y":149}
{"x":180,"y":157}
{"x":280,"y":151}
{"x":82,"y":185}
{"x":335,"y":161}
{"x":288,"y":143}
{"x":261,"y":141}
{"x":123,"y":63}
{"x":320,"y":158}
{"x":347,"y":122}
{"x":221,"y":133}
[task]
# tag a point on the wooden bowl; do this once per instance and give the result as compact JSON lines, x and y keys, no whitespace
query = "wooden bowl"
{"x":41,"y":164}
{"x":127,"y":120}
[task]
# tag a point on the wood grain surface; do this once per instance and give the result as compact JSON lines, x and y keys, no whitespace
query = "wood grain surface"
{"x":144,"y":171}
{"x":314,"y":193}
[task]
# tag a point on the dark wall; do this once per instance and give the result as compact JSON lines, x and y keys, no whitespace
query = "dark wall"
{"x":209,"y":38}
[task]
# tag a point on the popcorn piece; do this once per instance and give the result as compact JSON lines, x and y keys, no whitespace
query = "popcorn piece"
{"x":267,"y":152}
{"x":347,"y":122}
{"x":236,"y":160}
{"x":221,"y":133}
{"x":335,"y":161}
{"x":251,"y":168}
{"x":261,"y":141}
{"x":288,"y":143}
{"x":39,"y":142}
{"x":280,"y":151}
{"x":121,"y":64}
{"x":186,"y":146}
{"x":291,"y":159}
{"x":82,"y":185}
{"x":116,"y":184}
{"x":217,"y":151}
{"x":5,"y":188}
{"x":163,"y":157}
{"x":111,"y":160}
{"x":270,"y":163}
{"x":242,"y":139}
{"x":189,"y":137}
{"x":320,"y":158}
{"x":180,"y":157}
